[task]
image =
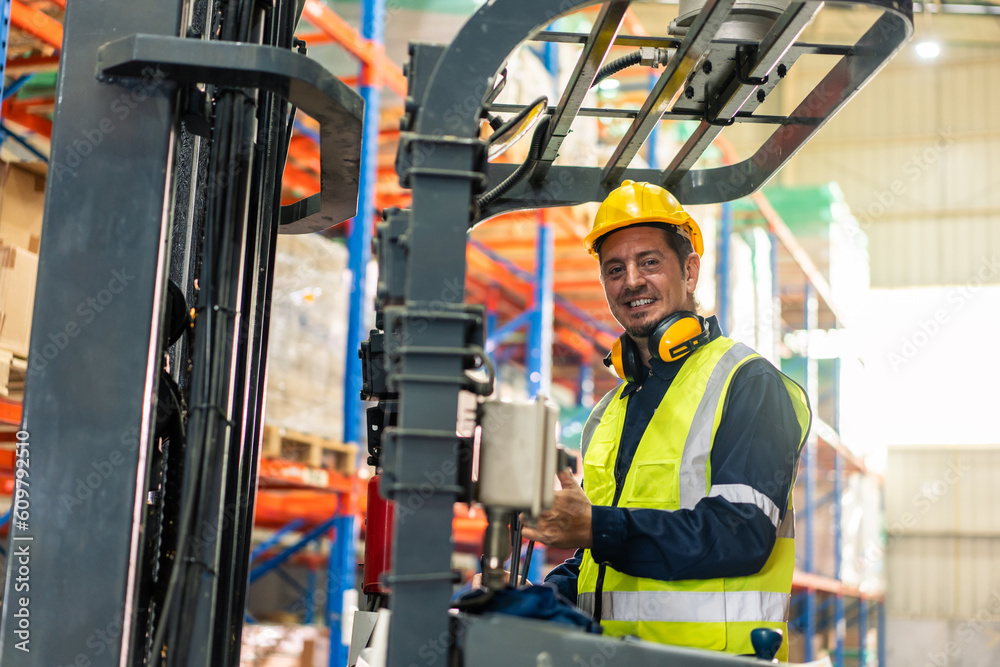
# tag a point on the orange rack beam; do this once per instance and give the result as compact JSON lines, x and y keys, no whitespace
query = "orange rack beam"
{"x":10,"y":412}
{"x":37,"y":23}
{"x":817,"y":582}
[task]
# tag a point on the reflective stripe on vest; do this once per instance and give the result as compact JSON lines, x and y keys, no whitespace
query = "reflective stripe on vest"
{"x":671,"y":470}
{"x":690,"y":606}
{"x":744,"y":493}
{"x":699,"y":441}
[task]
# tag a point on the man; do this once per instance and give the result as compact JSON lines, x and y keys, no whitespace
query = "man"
{"x":683,"y":527}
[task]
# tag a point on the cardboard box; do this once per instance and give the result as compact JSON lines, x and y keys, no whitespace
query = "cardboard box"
{"x":22,"y":200}
{"x":284,"y":645}
{"x":18,"y":272}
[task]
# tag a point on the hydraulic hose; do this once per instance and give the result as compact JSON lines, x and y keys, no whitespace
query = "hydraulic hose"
{"x":616,"y":66}
{"x":522,"y":170}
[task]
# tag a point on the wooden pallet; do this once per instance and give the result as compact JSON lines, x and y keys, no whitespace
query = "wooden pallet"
{"x":12,"y":372}
{"x":311,"y":450}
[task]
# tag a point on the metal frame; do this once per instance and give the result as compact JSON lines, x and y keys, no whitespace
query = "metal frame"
{"x":300,"y":80}
{"x":738,"y":96}
{"x":79,"y":416}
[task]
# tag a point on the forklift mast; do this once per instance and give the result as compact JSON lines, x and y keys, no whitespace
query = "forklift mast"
{"x":162,"y":207}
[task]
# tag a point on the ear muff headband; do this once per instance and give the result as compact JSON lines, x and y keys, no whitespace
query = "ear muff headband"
{"x":677,"y":335}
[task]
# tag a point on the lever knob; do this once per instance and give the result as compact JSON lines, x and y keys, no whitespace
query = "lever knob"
{"x":766,"y":642}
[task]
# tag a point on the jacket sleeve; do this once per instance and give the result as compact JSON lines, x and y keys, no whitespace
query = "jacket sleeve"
{"x":564,"y":576}
{"x":731,"y":532}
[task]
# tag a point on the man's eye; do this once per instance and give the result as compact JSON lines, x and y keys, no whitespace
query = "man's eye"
{"x":614,"y":270}
{"x":650,"y":262}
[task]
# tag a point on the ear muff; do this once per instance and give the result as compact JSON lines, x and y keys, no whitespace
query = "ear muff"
{"x":624,"y":358}
{"x":677,"y":335}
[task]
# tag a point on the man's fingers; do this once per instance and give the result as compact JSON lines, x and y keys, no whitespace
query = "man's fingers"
{"x":566,"y":478}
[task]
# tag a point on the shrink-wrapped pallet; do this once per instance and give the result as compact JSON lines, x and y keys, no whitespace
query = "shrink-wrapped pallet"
{"x":308,"y":338}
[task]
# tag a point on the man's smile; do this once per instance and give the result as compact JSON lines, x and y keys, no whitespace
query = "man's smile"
{"x":640,"y":303}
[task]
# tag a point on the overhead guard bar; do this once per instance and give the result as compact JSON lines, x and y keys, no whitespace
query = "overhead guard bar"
{"x":297,"y":78}
{"x":669,"y":86}
{"x":602,"y":38}
{"x":739,"y":95}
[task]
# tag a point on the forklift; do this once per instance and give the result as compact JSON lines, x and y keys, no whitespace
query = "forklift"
{"x":161,"y":394}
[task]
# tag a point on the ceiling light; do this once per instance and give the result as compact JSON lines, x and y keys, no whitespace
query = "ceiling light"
{"x":609,"y":84}
{"x":928,"y":49}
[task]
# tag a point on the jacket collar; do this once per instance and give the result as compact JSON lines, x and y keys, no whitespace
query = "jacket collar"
{"x":667,"y":370}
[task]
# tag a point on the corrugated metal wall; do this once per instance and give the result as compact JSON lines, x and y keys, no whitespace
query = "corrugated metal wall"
{"x":916,"y":155}
{"x":943,"y":532}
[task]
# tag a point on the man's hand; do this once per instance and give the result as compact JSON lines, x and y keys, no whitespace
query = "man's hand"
{"x":567,"y":524}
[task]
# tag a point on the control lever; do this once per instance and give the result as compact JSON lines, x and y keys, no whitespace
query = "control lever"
{"x":766,"y":642}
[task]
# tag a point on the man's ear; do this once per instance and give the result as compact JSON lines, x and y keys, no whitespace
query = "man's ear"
{"x":692,"y":266}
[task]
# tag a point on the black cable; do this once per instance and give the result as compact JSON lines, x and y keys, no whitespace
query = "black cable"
{"x":228,"y":21}
{"x":616,"y":66}
{"x":192,"y":465}
{"x":216,"y":257}
{"x":527,"y":561}
{"x":246,"y":19}
{"x":235,"y":21}
{"x":515,"y":551}
{"x":195,"y":445}
{"x":534,"y":153}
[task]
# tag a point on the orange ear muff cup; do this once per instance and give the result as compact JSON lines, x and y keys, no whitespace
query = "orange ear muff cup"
{"x":677,"y":336}
{"x":671,"y":343}
{"x":673,"y":338}
{"x":616,"y":358}
{"x":624,"y":358}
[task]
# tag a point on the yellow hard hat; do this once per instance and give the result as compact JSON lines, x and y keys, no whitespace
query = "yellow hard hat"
{"x":635,"y":203}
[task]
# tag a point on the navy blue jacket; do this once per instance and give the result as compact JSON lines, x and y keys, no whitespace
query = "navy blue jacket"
{"x":756,"y":444}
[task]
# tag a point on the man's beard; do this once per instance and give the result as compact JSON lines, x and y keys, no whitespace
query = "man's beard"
{"x":642,"y":330}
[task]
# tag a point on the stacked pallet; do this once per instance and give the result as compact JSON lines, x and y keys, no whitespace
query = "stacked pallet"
{"x":306,"y":352}
{"x":310,"y":450}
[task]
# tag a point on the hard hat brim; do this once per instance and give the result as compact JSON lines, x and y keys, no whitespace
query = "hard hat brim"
{"x":694,"y":232}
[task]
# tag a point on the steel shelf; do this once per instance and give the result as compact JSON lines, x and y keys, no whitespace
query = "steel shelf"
{"x":812,"y":303}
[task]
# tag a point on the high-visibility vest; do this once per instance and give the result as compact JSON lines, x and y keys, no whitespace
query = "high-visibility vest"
{"x":672,"y":470}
